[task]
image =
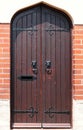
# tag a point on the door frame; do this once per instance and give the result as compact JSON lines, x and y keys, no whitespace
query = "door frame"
{"x":11,"y":49}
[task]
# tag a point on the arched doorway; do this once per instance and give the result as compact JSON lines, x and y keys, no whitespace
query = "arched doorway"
{"x":41,"y":90}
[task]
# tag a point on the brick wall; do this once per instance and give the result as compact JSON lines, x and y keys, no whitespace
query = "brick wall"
{"x":78,"y":62}
{"x":4,"y":61}
{"x":77,"y":56}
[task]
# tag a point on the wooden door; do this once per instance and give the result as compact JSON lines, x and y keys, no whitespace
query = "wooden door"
{"x":40,"y":69}
{"x":56,"y":51}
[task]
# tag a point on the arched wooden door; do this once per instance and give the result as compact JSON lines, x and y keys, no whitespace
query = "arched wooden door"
{"x":41,"y":94}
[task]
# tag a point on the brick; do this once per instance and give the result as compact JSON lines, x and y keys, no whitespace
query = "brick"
{"x":6,"y":50}
{"x":78,"y":31}
{"x":6,"y":40}
{"x":76,"y":87}
{"x":76,"y":81}
{"x":6,"y":70}
{"x":1,"y":70}
{"x":81,"y":51}
{"x":4,"y":30}
{"x":81,"y":81}
{"x":77,"y":36}
{"x":5,"y":35}
{"x":5,"y":61}
{"x":4,"y":96}
{"x":78,"y":92}
{"x":77,"y":76}
{"x":76,"y":71}
{"x":4,"y":25}
{"x":5,"y":90}
{"x":77,"y":61}
{"x":76,"y":97}
{"x":81,"y":71}
{"x":77,"y":46}
{"x":77,"y":51}
{"x":78,"y":57}
{"x":5,"y":65}
{"x":4,"y":45}
{"x":1,"y":80}
{"x":78,"y":27}
{"x":78,"y":66}
{"x":6,"y":80}
{"x":4,"y":85}
{"x":1,"y":50}
{"x":3,"y":75}
{"x":5,"y":55}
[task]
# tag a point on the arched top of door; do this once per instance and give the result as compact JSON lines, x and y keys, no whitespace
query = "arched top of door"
{"x":42,"y":3}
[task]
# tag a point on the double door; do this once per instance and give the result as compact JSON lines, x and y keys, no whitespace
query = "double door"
{"x":41,"y":69}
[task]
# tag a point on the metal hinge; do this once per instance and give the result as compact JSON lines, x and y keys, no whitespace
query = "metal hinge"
{"x":31,"y":111}
{"x":51,"y":113}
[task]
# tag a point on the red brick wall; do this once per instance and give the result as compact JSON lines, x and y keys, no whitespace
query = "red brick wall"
{"x":4,"y":61}
{"x":78,"y":62}
{"x":77,"y":56}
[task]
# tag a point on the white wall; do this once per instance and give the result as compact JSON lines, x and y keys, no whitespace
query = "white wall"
{"x":9,"y":7}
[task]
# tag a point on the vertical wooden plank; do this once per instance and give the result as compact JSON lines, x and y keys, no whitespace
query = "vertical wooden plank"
{"x":68,"y":90}
{"x":53,"y":67}
{"x":63,"y":72}
{"x":38,"y":58}
{"x":13,"y":76}
{"x":24,"y":67}
{"x":29,"y":69}
{"x":18,"y":70}
{"x":58,"y":69}
{"x":43,"y":64}
{"x":34,"y":58}
{"x":48,"y":58}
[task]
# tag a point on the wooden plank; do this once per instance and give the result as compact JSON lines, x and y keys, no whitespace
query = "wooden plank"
{"x":39,"y":67}
{"x":29,"y":69}
{"x":53,"y":67}
{"x":13,"y":76}
{"x":68,"y":93}
{"x":23,"y":69}
{"x":43,"y":66}
{"x":18,"y":70}
{"x":48,"y":58}
{"x":63,"y":72}
{"x":58,"y":69}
